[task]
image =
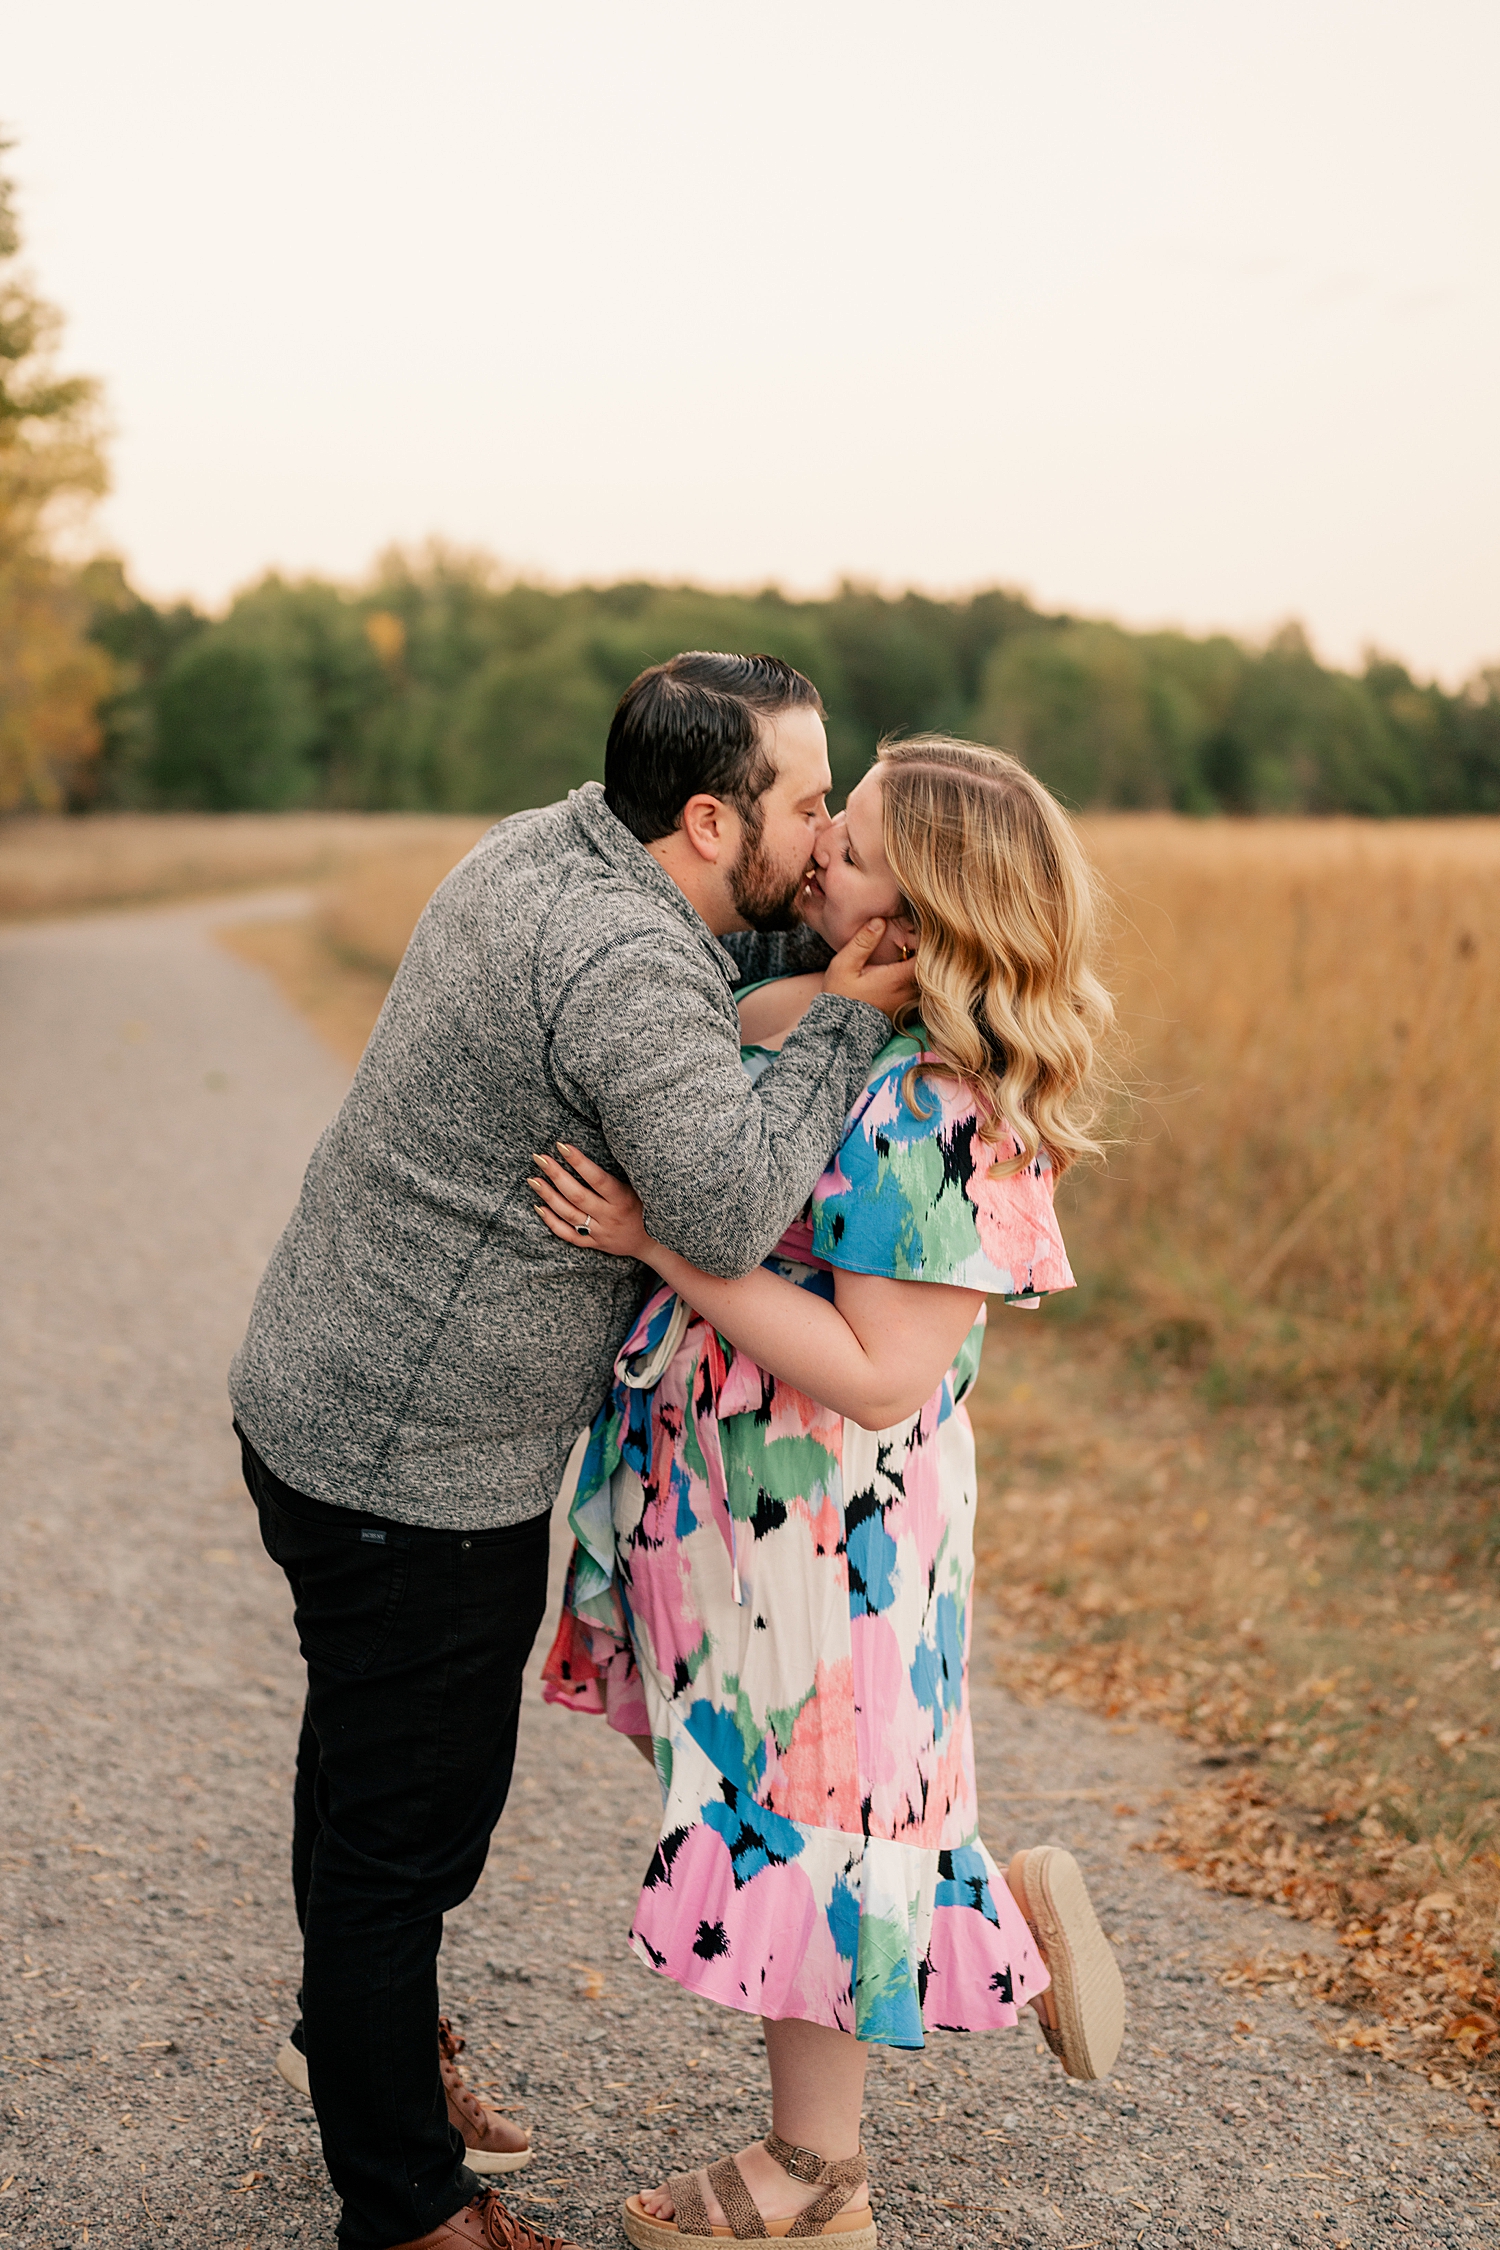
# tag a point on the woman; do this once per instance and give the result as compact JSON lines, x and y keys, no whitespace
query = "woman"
{"x":774,"y":1510}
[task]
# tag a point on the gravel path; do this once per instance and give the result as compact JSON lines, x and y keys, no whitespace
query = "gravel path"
{"x":158,"y":1104}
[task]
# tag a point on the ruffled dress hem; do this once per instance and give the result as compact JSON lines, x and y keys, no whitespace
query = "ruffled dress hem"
{"x":942,"y":1947}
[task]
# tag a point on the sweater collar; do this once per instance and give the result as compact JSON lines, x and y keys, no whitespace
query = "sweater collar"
{"x":630,"y":859}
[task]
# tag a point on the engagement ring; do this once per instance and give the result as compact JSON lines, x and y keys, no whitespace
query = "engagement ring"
{"x":583,"y":1226}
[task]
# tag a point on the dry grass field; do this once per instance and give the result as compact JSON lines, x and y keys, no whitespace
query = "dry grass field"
{"x":1245,"y":1480}
{"x":1312,"y":1011}
{"x":58,"y":866}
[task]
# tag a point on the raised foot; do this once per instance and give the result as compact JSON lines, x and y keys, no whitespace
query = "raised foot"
{"x":1082,"y":2013}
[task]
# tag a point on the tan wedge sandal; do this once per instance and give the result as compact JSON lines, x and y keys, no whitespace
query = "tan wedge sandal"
{"x":1087,"y":1992}
{"x":826,"y":2216}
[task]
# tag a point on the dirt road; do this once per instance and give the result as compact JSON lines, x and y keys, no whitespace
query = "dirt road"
{"x":159,"y":1102}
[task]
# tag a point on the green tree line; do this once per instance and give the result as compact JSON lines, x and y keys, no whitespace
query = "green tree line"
{"x":440,"y":685}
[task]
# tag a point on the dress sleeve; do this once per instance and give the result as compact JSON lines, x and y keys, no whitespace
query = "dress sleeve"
{"x":912,"y":1190}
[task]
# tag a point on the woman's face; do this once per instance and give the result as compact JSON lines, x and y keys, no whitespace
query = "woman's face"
{"x":850,"y":878}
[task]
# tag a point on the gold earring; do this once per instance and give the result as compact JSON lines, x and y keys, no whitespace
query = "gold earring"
{"x":906,"y":952}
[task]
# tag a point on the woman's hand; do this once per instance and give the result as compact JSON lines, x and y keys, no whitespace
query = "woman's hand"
{"x":589,"y":1207}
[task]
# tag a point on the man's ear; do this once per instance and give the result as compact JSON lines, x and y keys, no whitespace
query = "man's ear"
{"x":706,"y":824}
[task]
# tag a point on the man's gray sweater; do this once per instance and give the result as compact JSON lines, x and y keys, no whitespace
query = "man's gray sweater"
{"x":420,"y":1345}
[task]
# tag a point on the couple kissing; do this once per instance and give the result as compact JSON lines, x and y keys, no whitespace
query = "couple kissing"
{"x":695,"y":1133}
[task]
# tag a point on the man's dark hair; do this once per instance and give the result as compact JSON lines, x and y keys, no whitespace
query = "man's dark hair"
{"x":690,"y":727}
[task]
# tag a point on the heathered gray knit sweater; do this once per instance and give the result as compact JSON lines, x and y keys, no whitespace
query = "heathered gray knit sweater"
{"x":420,"y":1345}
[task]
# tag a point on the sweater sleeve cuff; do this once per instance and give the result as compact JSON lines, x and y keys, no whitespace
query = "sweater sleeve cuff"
{"x":866,"y":1029}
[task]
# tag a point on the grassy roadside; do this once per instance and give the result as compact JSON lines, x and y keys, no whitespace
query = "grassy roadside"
{"x":1325,"y":1629}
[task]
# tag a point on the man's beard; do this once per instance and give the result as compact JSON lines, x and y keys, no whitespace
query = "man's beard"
{"x":764,"y":894}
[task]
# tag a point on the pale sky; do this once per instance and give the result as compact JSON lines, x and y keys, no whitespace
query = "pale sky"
{"x":1174,"y":310}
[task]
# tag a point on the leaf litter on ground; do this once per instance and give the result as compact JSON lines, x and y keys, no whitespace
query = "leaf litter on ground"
{"x":1156,"y":1559}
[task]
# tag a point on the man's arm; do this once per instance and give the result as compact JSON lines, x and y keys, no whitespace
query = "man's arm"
{"x":775,"y":953}
{"x":646,"y":1037}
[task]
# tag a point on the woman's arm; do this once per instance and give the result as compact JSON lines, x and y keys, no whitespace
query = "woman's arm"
{"x":769,"y":1016}
{"x":876,"y":1354}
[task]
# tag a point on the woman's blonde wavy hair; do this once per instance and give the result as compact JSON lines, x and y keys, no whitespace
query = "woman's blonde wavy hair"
{"x":1007,"y":914}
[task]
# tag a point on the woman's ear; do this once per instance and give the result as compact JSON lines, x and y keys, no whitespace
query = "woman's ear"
{"x":903,"y":928}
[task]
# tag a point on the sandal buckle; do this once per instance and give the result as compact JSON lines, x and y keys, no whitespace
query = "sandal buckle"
{"x":802,"y":2164}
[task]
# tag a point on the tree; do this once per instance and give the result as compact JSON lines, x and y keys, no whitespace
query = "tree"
{"x":51,"y":467}
{"x":1305,"y":739}
{"x":140,"y":641}
{"x":1075,"y":706}
{"x":230,"y":735}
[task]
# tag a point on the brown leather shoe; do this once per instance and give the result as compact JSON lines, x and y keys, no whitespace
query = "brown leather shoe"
{"x":485,"y":2224}
{"x":491,"y":2142}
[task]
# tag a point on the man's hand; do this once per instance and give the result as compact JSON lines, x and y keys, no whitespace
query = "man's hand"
{"x":890,"y":989}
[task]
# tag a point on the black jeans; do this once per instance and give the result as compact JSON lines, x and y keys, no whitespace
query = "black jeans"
{"x":415,"y":1642}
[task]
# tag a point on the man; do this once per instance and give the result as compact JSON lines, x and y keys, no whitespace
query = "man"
{"x":422,"y":1351}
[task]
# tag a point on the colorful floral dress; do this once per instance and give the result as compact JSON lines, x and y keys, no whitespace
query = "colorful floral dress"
{"x":781,"y":1600}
